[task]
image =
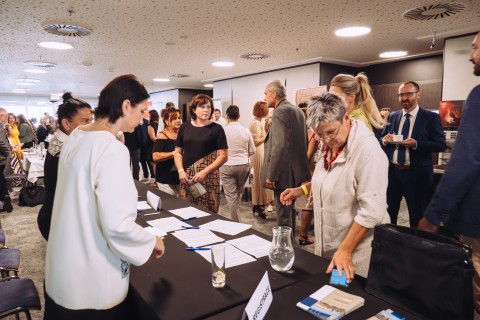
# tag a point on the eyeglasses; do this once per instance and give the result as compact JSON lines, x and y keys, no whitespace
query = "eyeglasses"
{"x":329,"y":135}
{"x":406,"y":94}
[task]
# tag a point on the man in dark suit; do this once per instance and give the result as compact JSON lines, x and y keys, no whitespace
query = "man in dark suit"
{"x":411,"y":167}
{"x":4,"y":153}
{"x":285,"y":163}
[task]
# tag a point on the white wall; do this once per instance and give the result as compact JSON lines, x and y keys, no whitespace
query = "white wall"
{"x":245,"y":91}
{"x":159,"y":99}
{"x":458,"y":77}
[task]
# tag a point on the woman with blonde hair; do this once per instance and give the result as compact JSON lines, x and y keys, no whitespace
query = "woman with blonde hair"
{"x":358,"y":98}
{"x":260,"y":196}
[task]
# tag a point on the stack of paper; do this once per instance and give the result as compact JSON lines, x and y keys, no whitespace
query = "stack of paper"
{"x":189,"y":212}
{"x":168,"y":224}
{"x":233,"y":256}
{"x":253,"y":245}
{"x":197,"y":237}
{"x":156,"y":231}
{"x":143,"y":205}
{"x":228,"y":227}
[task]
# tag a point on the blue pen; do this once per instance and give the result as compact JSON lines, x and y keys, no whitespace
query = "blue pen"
{"x":185,"y":227}
{"x":197,"y":249}
{"x":186,"y":219}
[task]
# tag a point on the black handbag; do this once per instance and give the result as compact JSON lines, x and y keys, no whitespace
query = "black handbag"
{"x":422,"y":272}
{"x":31,"y":196}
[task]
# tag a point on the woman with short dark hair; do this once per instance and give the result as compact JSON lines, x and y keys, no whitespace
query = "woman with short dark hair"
{"x":93,"y":235}
{"x":200,"y":150}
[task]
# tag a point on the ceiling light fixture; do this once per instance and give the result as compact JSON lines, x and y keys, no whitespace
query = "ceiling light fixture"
{"x":55,"y":45}
{"x":40,"y":63}
{"x":68,"y":30}
{"x":352,"y":31}
{"x":161,"y":80}
{"x":223,"y":64}
{"x":30,"y":80}
{"x":27,"y":84}
{"x":35,"y":71}
{"x":20,"y":90}
{"x":393,"y":54}
{"x":208,"y":85}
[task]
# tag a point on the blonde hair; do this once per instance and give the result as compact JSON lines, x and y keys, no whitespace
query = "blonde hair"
{"x":359,"y":86}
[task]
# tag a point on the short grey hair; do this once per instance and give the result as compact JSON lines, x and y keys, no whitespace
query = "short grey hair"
{"x":277,"y":86}
{"x":325,"y":108}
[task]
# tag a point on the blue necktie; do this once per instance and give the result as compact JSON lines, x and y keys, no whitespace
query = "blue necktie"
{"x":405,"y":130}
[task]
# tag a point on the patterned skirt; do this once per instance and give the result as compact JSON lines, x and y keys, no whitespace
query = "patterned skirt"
{"x":210,"y":200}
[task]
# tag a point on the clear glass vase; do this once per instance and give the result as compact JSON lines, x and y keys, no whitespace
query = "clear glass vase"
{"x":281,"y":254}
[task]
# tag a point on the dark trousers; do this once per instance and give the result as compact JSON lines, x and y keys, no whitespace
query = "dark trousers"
{"x":146,"y":165}
{"x":135,"y":162}
{"x":285,"y":214}
{"x":3,"y":184}
{"x":413,"y":184}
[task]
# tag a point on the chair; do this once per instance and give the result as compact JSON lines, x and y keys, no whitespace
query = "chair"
{"x":18,"y":295}
{"x":9,"y":262}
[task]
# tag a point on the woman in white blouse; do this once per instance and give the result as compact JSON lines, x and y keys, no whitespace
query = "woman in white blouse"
{"x":349,"y":186}
{"x":93,"y":235}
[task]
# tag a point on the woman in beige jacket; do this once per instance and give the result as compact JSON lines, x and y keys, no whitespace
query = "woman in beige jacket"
{"x":349,"y":186}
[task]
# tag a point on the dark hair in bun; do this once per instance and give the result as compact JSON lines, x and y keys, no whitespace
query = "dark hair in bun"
{"x":69,"y":108}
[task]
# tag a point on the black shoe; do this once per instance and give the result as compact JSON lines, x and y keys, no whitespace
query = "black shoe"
{"x":7,"y":204}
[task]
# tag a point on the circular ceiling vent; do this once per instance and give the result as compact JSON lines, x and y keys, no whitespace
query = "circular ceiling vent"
{"x":40,"y":63}
{"x":435,"y":11}
{"x":255,"y":56}
{"x":179,"y":75}
{"x":67,"y":30}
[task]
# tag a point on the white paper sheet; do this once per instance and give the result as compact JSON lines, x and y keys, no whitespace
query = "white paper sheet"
{"x":189,"y":212}
{"x":233,"y":256}
{"x":143,"y":205}
{"x":197,"y":237}
{"x":168,"y":224}
{"x":154,"y":201}
{"x":156,"y":231}
{"x":252,"y":244}
{"x":228,"y":227}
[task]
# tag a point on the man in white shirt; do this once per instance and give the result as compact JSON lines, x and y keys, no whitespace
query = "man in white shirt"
{"x":234,"y":173}
{"x":218,"y":118}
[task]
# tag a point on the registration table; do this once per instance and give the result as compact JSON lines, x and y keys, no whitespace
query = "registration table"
{"x":178,"y":286}
{"x":33,"y":165}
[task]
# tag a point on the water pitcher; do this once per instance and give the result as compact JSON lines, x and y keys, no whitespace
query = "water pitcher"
{"x":281,"y":252}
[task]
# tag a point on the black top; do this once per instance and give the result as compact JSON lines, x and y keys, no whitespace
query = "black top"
{"x":50,"y":181}
{"x":134,"y":140}
{"x":197,"y":142}
{"x":166,"y":171}
{"x":150,"y":143}
{"x":42,"y":133}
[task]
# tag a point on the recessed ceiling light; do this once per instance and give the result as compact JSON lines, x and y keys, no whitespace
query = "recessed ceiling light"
{"x":393,"y":54}
{"x":40,"y":63}
{"x":352,"y":31}
{"x":223,"y":64}
{"x":56,"y":45}
{"x":25,"y":84}
{"x":30,"y":80}
{"x":35,"y":71}
{"x":208,"y":85}
{"x":161,"y":80}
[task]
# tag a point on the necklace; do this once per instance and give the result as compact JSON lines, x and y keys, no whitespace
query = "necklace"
{"x":328,"y":163}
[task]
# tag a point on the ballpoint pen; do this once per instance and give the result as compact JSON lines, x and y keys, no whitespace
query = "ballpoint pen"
{"x":152,"y":213}
{"x":186,"y":219}
{"x":187,"y":227}
{"x":197,"y":249}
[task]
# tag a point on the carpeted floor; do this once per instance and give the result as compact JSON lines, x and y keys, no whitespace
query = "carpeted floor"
{"x":21,"y":231}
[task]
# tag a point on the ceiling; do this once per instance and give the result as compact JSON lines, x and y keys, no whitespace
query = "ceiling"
{"x":155,"y":39}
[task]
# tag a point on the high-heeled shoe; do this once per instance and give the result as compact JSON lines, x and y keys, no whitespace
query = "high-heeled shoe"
{"x":304,"y":241}
{"x":259,"y":211}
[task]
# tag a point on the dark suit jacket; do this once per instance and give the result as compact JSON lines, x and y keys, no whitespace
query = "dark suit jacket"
{"x":285,"y":160}
{"x":428,"y":133}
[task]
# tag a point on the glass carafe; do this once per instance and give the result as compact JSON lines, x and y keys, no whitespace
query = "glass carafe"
{"x":281,"y":254}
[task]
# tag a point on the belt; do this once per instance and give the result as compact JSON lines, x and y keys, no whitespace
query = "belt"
{"x":400,"y":166}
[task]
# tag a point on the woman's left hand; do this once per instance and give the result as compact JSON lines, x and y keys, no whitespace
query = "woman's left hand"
{"x":199,"y":177}
{"x":342,"y":259}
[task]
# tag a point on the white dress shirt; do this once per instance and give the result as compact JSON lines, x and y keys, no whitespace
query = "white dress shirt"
{"x":413,"y":116}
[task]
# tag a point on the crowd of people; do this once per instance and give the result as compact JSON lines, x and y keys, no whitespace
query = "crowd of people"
{"x":325,"y":152}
